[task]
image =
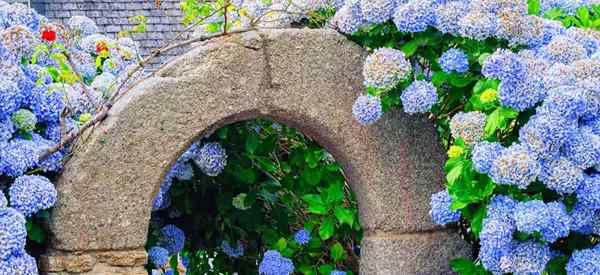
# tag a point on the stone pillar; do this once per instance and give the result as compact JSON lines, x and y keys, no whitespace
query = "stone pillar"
{"x":124,"y":262}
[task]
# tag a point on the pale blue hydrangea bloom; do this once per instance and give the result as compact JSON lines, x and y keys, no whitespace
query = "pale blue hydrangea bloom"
{"x":337,"y":272}
{"x":582,"y":218}
{"x":82,"y":25}
{"x":105,"y":83}
{"x":515,"y":7}
{"x":440,"y":208}
{"x":30,"y":194}
{"x":545,"y":134}
{"x":561,"y":175}
{"x":18,"y":156}
{"x":566,"y":101}
{"x":501,"y":207}
{"x":454,"y":60}
{"x":21,"y":264}
{"x":559,"y":75}
{"x":564,"y":49}
{"x":367,"y":109}
{"x":491,"y":256}
{"x":589,"y":42}
{"x":515,"y":166}
{"x":7,"y":129}
{"x":211,"y":159}
{"x":377,"y":11}
{"x":172,"y":239}
{"x":483,"y":155}
{"x":158,"y":256}
{"x":527,"y":258}
{"x":478,"y":25}
{"x":531,"y":216}
{"x":233,"y":252}
{"x":582,"y":148}
{"x":559,"y":222}
{"x":588,"y":193}
{"x":88,"y":43}
{"x":468,"y":126}
{"x":448,"y":15}
{"x":13,"y":233}
{"x":385,"y":67}
{"x":47,"y":105}
{"x":497,"y":232}
{"x":505,"y":65}
{"x":275,"y":264}
{"x":523,"y":94}
{"x":419,"y":97}
{"x":9,"y":97}
{"x":415,"y":15}
{"x":302,"y":236}
{"x":348,"y":19}
{"x":586,"y":261}
{"x":3,"y":201}
{"x":20,"y":14}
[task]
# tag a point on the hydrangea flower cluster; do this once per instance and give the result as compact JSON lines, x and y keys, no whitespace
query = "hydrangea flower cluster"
{"x":233,"y":252}
{"x":172,"y":238}
{"x":302,"y":236}
{"x":275,"y":264}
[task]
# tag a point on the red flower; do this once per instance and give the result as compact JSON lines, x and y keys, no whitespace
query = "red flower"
{"x":101,"y":46}
{"x":48,"y":35}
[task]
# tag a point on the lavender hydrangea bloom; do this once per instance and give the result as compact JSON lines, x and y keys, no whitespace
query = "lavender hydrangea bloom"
{"x":468,"y":126}
{"x":564,"y":49}
{"x":377,"y":11}
{"x":504,"y":65}
{"x":478,"y":25}
{"x":440,"y":208}
{"x":21,"y":264}
{"x":559,"y":75}
{"x":172,"y":239}
{"x":561,"y":175}
{"x":559,"y":224}
{"x":30,"y":194}
{"x":17,"y":156}
{"x":211,"y":159}
{"x":414,"y":16}
{"x":582,"y":148}
{"x":302,"y":236}
{"x":454,"y":60}
{"x":448,"y":14}
{"x":588,"y":193}
{"x":233,"y":252}
{"x":484,"y":154}
{"x":159,"y":256}
{"x":275,"y":264}
{"x":515,"y":166}
{"x":586,"y":261}
{"x":385,"y":67}
{"x":527,"y":258}
{"x":12,"y":233}
{"x":419,"y":97}
{"x":531,"y":216}
{"x":20,"y":14}
{"x":9,"y":97}
{"x":545,"y":134}
{"x":82,"y":25}
{"x":367,"y":109}
{"x":348,"y":19}
{"x":566,"y":101}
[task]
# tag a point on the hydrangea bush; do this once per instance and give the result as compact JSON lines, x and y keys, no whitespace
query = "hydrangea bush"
{"x":255,"y":197}
{"x":52,"y":79}
{"x":514,"y":90}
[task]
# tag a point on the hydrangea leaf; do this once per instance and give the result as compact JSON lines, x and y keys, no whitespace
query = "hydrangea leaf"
{"x":327,"y":228}
{"x":337,"y":252}
{"x":344,"y":216}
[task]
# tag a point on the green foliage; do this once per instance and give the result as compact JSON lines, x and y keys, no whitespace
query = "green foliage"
{"x":584,"y":17}
{"x":467,"y":267}
{"x":277,"y":181}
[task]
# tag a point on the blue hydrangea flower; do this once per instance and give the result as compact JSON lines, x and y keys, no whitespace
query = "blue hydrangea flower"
{"x":104,"y":83}
{"x":483,"y":155}
{"x":46,"y":104}
{"x":275,"y":264}
{"x":13,"y":233}
{"x":586,"y":261}
{"x":468,"y":126}
{"x":169,"y":271}
{"x":377,"y":11}
{"x":21,"y":264}
{"x":582,"y":218}
{"x":545,"y":134}
{"x":348,"y":19}
{"x":30,"y":194}
{"x":559,"y":75}
{"x":414,"y":16}
{"x":18,"y":156}
{"x":448,"y":15}
{"x":527,"y":258}
{"x":501,"y":207}
{"x":7,"y":129}
{"x":559,"y":224}
{"x":440,"y":208}
{"x":564,"y":49}
{"x":419,"y":97}
{"x":515,"y":166}
{"x":478,"y":25}
{"x":531,"y":216}
{"x":38,"y":74}
{"x":302,"y":236}
{"x":523,"y":94}
{"x":454,"y":60}
{"x":506,"y":66}
{"x":82,"y":25}
{"x":172,"y":239}
{"x":3,"y":201}
{"x":337,"y":272}
{"x":367,"y":109}
{"x":497,"y":232}
{"x":566,"y":101}
{"x":20,"y":14}
{"x":385,"y":67}
{"x":491,"y":256}
{"x":561,"y":175}
{"x":589,"y":42}
{"x":52,"y":163}
{"x":9,"y":97}
{"x":19,"y":41}
{"x":233,"y":252}
{"x":588,"y":193}
{"x":582,"y":148}
{"x":211,"y":159}
{"x":159,"y":256}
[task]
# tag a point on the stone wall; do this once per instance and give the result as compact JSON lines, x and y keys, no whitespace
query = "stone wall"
{"x":113,"y":16}
{"x":307,"y":79}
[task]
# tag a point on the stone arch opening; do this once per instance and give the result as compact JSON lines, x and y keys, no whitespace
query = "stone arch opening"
{"x":306,"y":79}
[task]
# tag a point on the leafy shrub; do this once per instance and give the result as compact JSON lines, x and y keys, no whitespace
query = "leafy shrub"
{"x":256,"y":192}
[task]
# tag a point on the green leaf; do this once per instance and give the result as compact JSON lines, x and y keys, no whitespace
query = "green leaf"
{"x":334,"y":194}
{"x":409,"y":48}
{"x":344,"y":216}
{"x":247,"y":175}
{"x":239,"y":202}
{"x":498,"y":119}
{"x":315,"y":204}
{"x":327,"y":228}
{"x":584,"y":16}
{"x":312,"y":176}
{"x":281,"y":244}
{"x":251,"y":142}
{"x":467,"y":267}
{"x":337,"y":252}
{"x":534,"y":7}
{"x":35,"y":232}
{"x":556,"y":266}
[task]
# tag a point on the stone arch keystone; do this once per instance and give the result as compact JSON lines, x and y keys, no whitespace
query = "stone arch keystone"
{"x":307,"y":79}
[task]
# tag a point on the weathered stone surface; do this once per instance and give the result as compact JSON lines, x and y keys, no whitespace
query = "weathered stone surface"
{"x":123,"y":258}
{"x":75,"y":262}
{"x":307,"y":79}
{"x":422,"y":254}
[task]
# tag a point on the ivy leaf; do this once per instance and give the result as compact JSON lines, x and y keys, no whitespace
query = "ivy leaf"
{"x":327,"y":228}
{"x":344,"y":216}
{"x":312,"y":176}
{"x":337,"y":252}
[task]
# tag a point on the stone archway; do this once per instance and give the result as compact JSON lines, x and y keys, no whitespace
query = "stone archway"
{"x":307,"y":79}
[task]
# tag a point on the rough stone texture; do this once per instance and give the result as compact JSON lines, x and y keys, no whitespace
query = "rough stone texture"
{"x":90,"y":262}
{"x":307,"y":79}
